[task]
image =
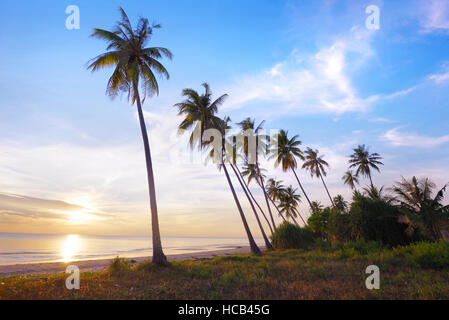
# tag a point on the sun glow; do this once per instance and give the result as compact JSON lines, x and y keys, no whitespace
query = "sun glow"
{"x":70,"y":247}
{"x":79,"y":217}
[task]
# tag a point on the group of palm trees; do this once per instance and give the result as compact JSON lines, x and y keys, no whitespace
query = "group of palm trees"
{"x":135,"y":69}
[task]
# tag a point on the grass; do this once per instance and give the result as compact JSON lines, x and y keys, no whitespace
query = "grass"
{"x":322,"y":273}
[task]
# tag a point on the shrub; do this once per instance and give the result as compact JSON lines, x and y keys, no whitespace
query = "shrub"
{"x":428,"y":255}
{"x":290,"y":236}
{"x":377,"y":220}
{"x":118,"y":267}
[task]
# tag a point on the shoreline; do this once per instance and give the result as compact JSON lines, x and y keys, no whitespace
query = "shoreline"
{"x":51,"y":268}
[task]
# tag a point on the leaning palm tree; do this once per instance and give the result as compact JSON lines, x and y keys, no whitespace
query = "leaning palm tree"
{"x":420,"y":208}
{"x":274,"y":190}
{"x":288,"y":203}
{"x":200,"y":115}
{"x":251,"y":171}
{"x":222,"y":127}
{"x":135,"y":67}
{"x":246,"y":191}
{"x":364,"y":161}
{"x":316,"y":165}
{"x":350,"y":179}
{"x":284,"y":152}
{"x":252,"y":132}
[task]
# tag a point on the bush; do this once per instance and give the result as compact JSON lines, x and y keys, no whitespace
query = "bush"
{"x":428,"y":255}
{"x":377,"y":220}
{"x":290,"y":236}
{"x":357,"y":248}
{"x":118,"y":267}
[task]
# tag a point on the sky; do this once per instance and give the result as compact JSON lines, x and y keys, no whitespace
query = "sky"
{"x":72,"y":161}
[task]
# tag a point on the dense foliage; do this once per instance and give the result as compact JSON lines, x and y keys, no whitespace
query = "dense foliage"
{"x":290,"y":236}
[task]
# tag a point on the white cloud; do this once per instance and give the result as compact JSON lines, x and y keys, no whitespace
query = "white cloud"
{"x":315,"y":83}
{"x":434,"y":15}
{"x":439,"y":78}
{"x":397,"y":138}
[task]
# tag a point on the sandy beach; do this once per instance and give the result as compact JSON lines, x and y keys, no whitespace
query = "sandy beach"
{"x":46,"y":268}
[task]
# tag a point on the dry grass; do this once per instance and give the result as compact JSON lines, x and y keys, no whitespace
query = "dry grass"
{"x":286,"y":274}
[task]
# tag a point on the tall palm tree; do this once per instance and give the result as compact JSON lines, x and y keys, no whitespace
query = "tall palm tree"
{"x":420,"y":207}
{"x":248,"y":126}
{"x":288,"y":203}
{"x":222,"y":128}
{"x":245,"y":172}
{"x":364,"y":161}
{"x":200,"y":114}
{"x":284,"y":152}
{"x":316,"y":165}
{"x":245,"y":190}
{"x":135,"y":66}
{"x":350,"y":179}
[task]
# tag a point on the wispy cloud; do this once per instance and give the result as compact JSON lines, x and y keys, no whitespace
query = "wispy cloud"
{"x":398,"y":138}
{"x":314,"y":83}
{"x":434,"y":16}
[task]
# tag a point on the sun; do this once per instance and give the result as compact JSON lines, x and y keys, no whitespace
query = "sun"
{"x":79,"y":216}
{"x":69,"y":247}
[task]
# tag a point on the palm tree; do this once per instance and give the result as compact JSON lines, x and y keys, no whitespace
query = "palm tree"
{"x":248,"y":127}
{"x":316,"y":206}
{"x":364,"y":161}
{"x":340,"y":203}
{"x":375,"y":193}
{"x":316,"y":165}
{"x":134,"y":62}
{"x":222,"y":127}
{"x":285,"y":151}
{"x":420,"y":207}
{"x":274,"y":190}
{"x":244,"y":187}
{"x":289,"y":202}
{"x":249,"y":170}
{"x":350,"y":179}
{"x":200,"y":114}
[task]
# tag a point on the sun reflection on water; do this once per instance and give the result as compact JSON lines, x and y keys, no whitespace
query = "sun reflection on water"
{"x":70,"y":247}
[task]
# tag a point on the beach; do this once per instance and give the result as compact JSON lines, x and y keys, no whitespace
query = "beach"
{"x":51,"y":268}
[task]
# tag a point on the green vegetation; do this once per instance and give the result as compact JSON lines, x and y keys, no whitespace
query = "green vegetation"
{"x":418,"y":271}
{"x":289,"y":236}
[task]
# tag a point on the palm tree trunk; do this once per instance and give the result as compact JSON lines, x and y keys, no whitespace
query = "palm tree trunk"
{"x":254,"y":199}
{"x":254,"y":248}
{"x":300,"y":185}
{"x":294,"y":220}
{"x":159,"y":257}
{"x":266,"y":200}
{"x":332,"y":201}
{"x":282,"y":216}
{"x":370,"y":179}
{"x":265,"y":238}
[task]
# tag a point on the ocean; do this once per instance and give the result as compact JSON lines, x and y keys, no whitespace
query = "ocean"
{"x":28,"y":248}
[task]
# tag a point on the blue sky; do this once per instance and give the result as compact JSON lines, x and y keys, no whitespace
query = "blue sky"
{"x":311,"y":67}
